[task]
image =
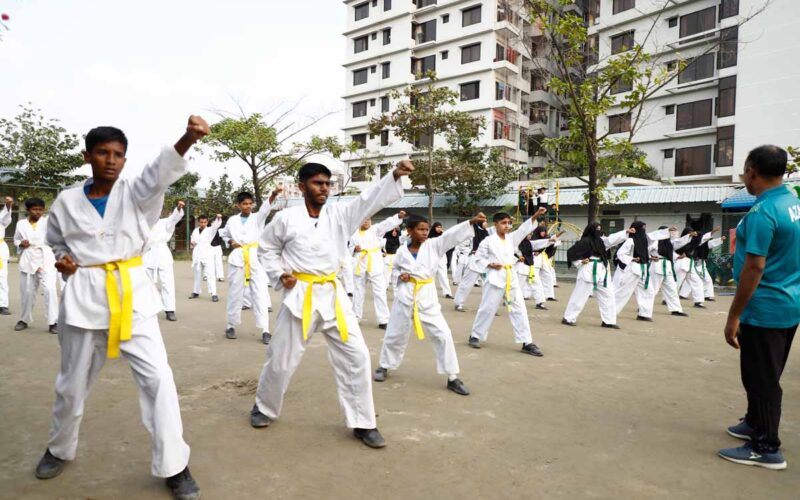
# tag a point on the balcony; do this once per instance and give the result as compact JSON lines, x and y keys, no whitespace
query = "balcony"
{"x":507,"y":29}
{"x":504,"y":105}
{"x":505,"y":66}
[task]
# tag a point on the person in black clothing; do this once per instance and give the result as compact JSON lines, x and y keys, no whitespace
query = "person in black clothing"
{"x":392,"y":243}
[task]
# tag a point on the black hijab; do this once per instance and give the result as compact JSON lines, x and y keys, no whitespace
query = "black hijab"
{"x":392,"y":241}
{"x":690,"y":248}
{"x":640,"y":242}
{"x":665,"y":249}
{"x":590,"y":245}
{"x":526,"y":249}
{"x":480,"y":234}
{"x":432,"y":233}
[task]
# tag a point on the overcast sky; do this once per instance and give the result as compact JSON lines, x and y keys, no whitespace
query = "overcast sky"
{"x":145,"y":65}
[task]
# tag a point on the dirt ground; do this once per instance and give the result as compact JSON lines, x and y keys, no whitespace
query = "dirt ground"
{"x":635,"y":413}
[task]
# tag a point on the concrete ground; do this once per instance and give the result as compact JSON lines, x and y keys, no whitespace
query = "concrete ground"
{"x":635,"y":413}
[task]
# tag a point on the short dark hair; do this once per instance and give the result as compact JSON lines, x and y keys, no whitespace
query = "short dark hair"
{"x":100,"y":135}
{"x":542,"y":189}
{"x":500,"y":216}
{"x":768,"y":160}
{"x":33,"y":202}
{"x":244,"y":195}
{"x":203,"y":216}
{"x":309,"y":170}
{"x":415,"y":220}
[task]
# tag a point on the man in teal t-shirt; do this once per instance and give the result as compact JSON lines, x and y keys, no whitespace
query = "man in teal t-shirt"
{"x":766,"y":309}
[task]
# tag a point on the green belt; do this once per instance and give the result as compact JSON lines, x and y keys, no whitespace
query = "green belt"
{"x":594,"y":275}
{"x":702,"y":271}
{"x":664,"y":268}
{"x":645,"y":274}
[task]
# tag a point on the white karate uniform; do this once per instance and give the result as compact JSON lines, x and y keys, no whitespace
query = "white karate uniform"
{"x":294,"y":242}
{"x":690,"y":277}
{"x":36,"y":269}
{"x":708,"y":283}
{"x":219,"y":271}
{"x":636,"y":276}
{"x":442,"y":280}
{"x":663,"y":275}
{"x":370,"y":241}
{"x":5,"y":221}
{"x":158,"y":257}
{"x":594,"y":279}
{"x":460,"y":259}
{"x":548,"y":274}
{"x":346,"y":270}
{"x":245,"y":231}
{"x":203,"y":266}
{"x":494,"y":250}
{"x":75,"y":228}
{"x":401,"y":322}
{"x":532,"y":288}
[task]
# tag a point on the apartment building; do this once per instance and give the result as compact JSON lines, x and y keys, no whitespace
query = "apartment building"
{"x":476,"y":47}
{"x":738,"y":89}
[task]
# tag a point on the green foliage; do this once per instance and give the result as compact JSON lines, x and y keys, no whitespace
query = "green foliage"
{"x":794,"y":159}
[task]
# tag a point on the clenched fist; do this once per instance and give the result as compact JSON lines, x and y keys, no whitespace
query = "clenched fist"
{"x":197,"y":128}
{"x":404,"y":168}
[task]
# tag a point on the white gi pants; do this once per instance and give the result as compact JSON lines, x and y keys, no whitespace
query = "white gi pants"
{"x":603,"y":295}
{"x":532,"y":290}
{"x":490,"y":302}
{"x":219,"y":271}
{"x":259,"y":296}
{"x":4,"y":283}
{"x":442,"y":281}
{"x":708,"y":284}
{"x":669,"y":289}
{"x":164,"y":279}
{"x":205,"y":269}
{"x":434,"y":325}
{"x":83,"y":353}
{"x":347,"y":278}
{"x":388,"y":269}
{"x":458,"y":267}
{"x":28,"y":290}
{"x":350,"y":362}
{"x":376,"y":281}
{"x":692,"y":284}
{"x":626,"y":283}
{"x":468,"y":280}
{"x":548,"y":278}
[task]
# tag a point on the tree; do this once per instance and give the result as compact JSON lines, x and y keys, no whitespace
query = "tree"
{"x":794,"y":159}
{"x":265,"y":144}
{"x":37,"y":150}
{"x":425,"y":112}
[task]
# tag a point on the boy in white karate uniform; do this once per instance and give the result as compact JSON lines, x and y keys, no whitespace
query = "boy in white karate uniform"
{"x":98,"y":231}
{"x":5,"y":221}
{"x":203,"y":266}
{"x":495,"y":257}
{"x":158,"y":258}
{"x":302,"y":249}
{"x":469,"y":278}
{"x":416,"y":304}
{"x":36,"y":266}
{"x":691,"y":270}
{"x":460,"y":258}
{"x":590,"y":255}
{"x":219,"y":270}
{"x":244,"y":269}
{"x":369,"y":267}
{"x":442,"y":281}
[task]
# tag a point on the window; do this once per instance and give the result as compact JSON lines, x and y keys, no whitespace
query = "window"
{"x":621,"y":86}
{"x":424,"y":32}
{"x":538,"y":82}
{"x":425,"y":3}
{"x":618,"y":124}
{"x":668,"y":153}
{"x":470,"y":53}
{"x":725,"y":146}
{"x":372,"y":103}
{"x":360,"y":76}
{"x":693,"y":114}
{"x":622,"y":42}
{"x":445,"y":54}
{"x":360,"y":139}
{"x":445,"y":18}
{"x":387,"y":36}
{"x":505,"y":92}
{"x":362,"y":11}
{"x":421,"y":66}
{"x":539,"y":114}
{"x":385,"y":70}
{"x":728,"y":8}
{"x":372,"y":69}
{"x":669,"y":109}
{"x":423,"y":141}
{"x":623,"y":5}
{"x":358,"y":174}
{"x":672,"y":21}
{"x":693,"y":161}
{"x":728,"y":47}
{"x":374,"y":3}
{"x":471,"y":90}
{"x":359,"y":109}
{"x":726,"y":101}
{"x":471,"y":16}
{"x":374,"y":35}
{"x":360,"y":44}
{"x":384,"y":138}
{"x":698,"y":22}
{"x":387,"y":5}
{"x":697,"y":69}
{"x":671,"y":65}
{"x":385,"y":104}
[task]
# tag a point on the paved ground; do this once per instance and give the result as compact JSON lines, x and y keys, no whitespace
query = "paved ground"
{"x":636,"y":413}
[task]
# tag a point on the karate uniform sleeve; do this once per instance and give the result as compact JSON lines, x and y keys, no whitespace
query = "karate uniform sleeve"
{"x":195,"y":237}
{"x":661,"y":234}
{"x":625,"y":252}
{"x":450,"y":238}
{"x":681,"y":242}
{"x":270,"y":249}
{"x":480,"y":261}
{"x":384,"y":227}
{"x":149,"y":186}
{"x":225,"y":234}
{"x":263,"y":213}
{"x":538,"y":245}
{"x":706,"y":237}
{"x":55,"y":238}
{"x":211,"y":231}
{"x":615,"y":239}
{"x":173,"y":220}
{"x":716,"y":242}
{"x":522,"y":232}
{"x":377,"y":197}
{"x":5,"y":218}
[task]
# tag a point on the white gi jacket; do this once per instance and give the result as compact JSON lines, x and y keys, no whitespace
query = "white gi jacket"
{"x":685,"y":265}
{"x":75,"y":228}
{"x":625,"y":252}
{"x":295,"y":242}
{"x":38,"y":255}
{"x":157,"y":253}
{"x":245,"y":231}
{"x":371,"y":240}
{"x":494,"y":250}
{"x":538,"y":245}
{"x":203,"y":251}
{"x":585,"y":271}
{"x":5,"y":221}
{"x":659,"y":267}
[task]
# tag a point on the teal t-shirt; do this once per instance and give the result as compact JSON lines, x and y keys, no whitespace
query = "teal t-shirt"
{"x":771,"y":229}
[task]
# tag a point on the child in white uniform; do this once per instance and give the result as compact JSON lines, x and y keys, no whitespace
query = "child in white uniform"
{"x":469,"y":278}
{"x":662,"y":269}
{"x":690,"y":276}
{"x":158,"y":258}
{"x":5,"y":221}
{"x":442,"y":282}
{"x":203,"y":266}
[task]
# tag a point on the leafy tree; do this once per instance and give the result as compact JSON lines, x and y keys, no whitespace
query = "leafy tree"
{"x":794,"y":159}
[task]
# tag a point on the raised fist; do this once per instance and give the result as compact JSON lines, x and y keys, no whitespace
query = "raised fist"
{"x":197,"y":128}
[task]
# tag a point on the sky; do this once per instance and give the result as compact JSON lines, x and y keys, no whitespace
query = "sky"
{"x":144,"y":66}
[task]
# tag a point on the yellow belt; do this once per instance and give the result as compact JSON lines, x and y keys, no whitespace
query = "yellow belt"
{"x":246,"y":253}
{"x":120,"y":323}
{"x":509,"y":274}
{"x":531,"y":274}
{"x":368,"y":252}
{"x":418,"y":284}
{"x":311,"y":280}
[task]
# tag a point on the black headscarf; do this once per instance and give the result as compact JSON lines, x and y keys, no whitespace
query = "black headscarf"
{"x":480,"y":234}
{"x":702,"y":250}
{"x":590,"y":245}
{"x":526,"y":249}
{"x":640,"y":242}
{"x":432,"y":233}
{"x":392,"y":241}
{"x":665,"y":249}
{"x":690,"y":248}
{"x":550,"y":250}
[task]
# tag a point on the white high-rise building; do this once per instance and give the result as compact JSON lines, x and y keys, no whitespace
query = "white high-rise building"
{"x":739,"y":88}
{"x":475,"y":48}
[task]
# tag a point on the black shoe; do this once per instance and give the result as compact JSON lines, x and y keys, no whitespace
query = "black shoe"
{"x":568,"y":323}
{"x":380,"y":374}
{"x":382,"y":326}
{"x":474,"y":343}
{"x":245,"y":308}
{"x":541,"y":307}
{"x":551,"y":299}
{"x":644,"y":318}
{"x":448,"y":296}
{"x":194,"y":295}
{"x":266,"y":337}
{"x":214,"y":298}
{"x":258,"y":419}
{"x":4,"y":311}
{"x":183,"y":486}
{"x":269,"y":309}
{"x":220,"y":280}
{"x":613,"y":327}
{"x":699,"y":305}
{"x":532,"y":349}
{"x":458,"y":387}
{"x":54,"y":329}
{"x":683,"y":298}
{"x":49,"y":466}
{"x":350,"y":295}
{"x":230,"y":333}
{"x":21,"y":325}
{"x":679,"y":313}
{"x":710,"y":299}
{"x":663,"y":302}
{"x":370,"y":437}
{"x":171,"y":316}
